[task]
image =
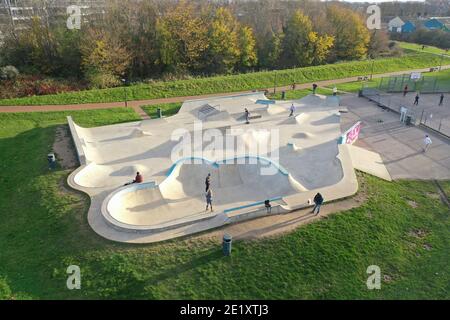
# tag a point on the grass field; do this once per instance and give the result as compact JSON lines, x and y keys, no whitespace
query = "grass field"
{"x":168,"y":109}
{"x":414,"y":47}
{"x":234,"y":83}
{"x":44,"y":229}
{"x":443,"y":81}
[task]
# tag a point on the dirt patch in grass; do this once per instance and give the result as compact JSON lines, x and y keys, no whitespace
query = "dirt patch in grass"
{"x":64,"y":149}
{"x":412,"y":204}
{"x":418,"y":233}
{"x":433,"y":195}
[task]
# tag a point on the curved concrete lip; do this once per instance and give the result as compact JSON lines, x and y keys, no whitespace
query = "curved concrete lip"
{"x":172,"y":203}
{"x":175,"y":188}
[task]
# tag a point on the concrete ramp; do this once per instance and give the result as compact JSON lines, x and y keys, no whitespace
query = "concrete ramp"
{"x":368,"y":162}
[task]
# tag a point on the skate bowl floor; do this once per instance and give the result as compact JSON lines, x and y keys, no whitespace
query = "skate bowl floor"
{"x":301,"y":157}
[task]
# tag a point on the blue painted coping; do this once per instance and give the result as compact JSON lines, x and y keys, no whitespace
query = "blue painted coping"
{"x":251,"y":205}
{"x":266,"y":102}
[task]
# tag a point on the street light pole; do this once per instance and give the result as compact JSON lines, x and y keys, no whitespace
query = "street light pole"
{"x":126,"y":93}
{"x":371,"y":73}
{"x":440,"y":65}
{"x":275,"y":83}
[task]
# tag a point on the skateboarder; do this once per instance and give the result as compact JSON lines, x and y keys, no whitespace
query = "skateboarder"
{"x":427,"y":142}
{"x":441,"y":99}
{"x":209,"y":199}
{"x":247,"y":116}
{"x":138,"y":179}
{"x":335,"y":91}
{"x":208,"y":182}
{"x":268,"y":206}
{"x":405,"y":90}
{"x":318,"y":201}
{"x":292,"y":110}
{"x":416,"y":100}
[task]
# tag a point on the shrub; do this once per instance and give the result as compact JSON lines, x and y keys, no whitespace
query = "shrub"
{"x":103,"y":80}
{"x":9,"y":73}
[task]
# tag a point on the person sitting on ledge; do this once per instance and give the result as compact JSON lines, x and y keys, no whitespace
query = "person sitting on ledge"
{"x":138,"y":179}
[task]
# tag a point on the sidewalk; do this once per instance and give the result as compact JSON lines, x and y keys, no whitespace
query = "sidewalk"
{"x":138,"y":103}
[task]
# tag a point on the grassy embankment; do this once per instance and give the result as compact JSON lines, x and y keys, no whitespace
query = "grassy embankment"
{"x":234,"y":83}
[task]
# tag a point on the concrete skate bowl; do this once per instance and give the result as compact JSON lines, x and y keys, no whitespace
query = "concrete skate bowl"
{"x":102,"y":176}
{"x":179,"y":199}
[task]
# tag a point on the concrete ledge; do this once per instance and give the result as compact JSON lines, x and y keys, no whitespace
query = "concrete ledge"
{"x":77,"y":141}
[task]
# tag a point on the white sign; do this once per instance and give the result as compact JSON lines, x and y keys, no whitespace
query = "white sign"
{"x":416,"y":75}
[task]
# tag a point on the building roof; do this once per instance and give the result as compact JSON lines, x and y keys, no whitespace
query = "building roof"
{"x":396,"y":23}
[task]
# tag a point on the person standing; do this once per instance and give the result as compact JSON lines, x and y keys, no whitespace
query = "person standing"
{"x":416,"y":100}
{"x":292,"y":109}
{"x":314,"y":88}
{"x":209,"y":199}
{"x":247,"y":116}
{"x":405,"y":90}
{"x":427,"y":142}
{"x":208,"y":182}
{"x":318,"y":201}
{"x":335,"y":91}
{"x":441,"y":99}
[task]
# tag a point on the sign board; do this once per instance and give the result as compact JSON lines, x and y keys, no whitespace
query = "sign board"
{"x":352,"y":134}
{"x":416,"y":75}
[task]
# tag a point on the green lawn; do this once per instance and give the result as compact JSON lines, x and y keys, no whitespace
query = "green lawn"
{"x":168,"y":109}
{"x":44,"y":229}
{"x":234,"y":83}
{"x":443,"y":81}
{"x":414,"y":47}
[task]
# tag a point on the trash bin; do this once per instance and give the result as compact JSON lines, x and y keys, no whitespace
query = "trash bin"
{"x":159,"y":112}
{"x":408,"y":120}
{"x":227,"y":240}
{"x":51,"y":161}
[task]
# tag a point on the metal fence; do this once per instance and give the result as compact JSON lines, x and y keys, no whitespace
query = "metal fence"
{"x":424,"y":84}
{"x":438,"y":123}
{"x":433,"y":117}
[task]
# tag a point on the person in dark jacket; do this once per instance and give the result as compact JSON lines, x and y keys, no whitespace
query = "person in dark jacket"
{"x":441,"y":99}
{"x":208,"y":182}
{"x":318,"y":201}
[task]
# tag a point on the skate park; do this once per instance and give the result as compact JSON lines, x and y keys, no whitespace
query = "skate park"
{"x":305,"y":154}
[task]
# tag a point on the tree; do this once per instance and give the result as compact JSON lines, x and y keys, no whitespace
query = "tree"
{"x":247,"y":43}
{"x":350,"y":34}
{"x":270,"y":53}
{"x":223,"y":37}
{"x":182,"y":39}
{"x":302,"y":46}
{"x":105,"y":60}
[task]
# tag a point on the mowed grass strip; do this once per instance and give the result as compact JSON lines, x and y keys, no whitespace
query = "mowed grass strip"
{"x":233,"y":83}
{"x":44,"y":230}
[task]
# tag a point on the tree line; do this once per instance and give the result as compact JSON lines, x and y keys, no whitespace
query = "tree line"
{"x":157,"y":39}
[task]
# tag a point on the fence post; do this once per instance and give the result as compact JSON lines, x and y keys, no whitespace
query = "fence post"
{"x":440,"y":124}
{"x":434,"y":86}
{"x":421,"y":117}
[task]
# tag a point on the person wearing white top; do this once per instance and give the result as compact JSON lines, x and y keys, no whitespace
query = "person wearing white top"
{"x":427,"y":141}
{"x":292,"y":110}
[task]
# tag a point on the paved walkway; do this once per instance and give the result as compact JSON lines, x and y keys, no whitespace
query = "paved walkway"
{"x":400,"y":146}
{"x":138,"y":103}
